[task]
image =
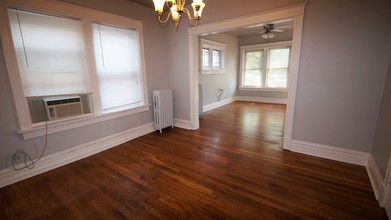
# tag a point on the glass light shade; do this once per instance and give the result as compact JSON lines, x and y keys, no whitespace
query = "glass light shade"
{"x":159,"y":4}
{"x":198,"y":11}
{"x":264,"y":35}
{"x":174,"y":13}
{"x":271,"y":35}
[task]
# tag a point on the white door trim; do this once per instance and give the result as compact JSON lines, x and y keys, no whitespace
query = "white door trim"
{"x":296,"y":12}
{"x":386,"y":194}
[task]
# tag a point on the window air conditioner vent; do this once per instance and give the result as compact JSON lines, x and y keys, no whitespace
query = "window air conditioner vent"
{"x":62,"y":107}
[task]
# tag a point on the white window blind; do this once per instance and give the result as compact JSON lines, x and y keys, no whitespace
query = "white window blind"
{"x":49,"y":52}
{"x":118,"y":61}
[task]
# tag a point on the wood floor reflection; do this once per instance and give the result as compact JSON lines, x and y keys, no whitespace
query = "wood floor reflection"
{"x":233,"y":167}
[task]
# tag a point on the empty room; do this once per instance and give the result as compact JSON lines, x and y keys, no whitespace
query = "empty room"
{"x":199,"y":109}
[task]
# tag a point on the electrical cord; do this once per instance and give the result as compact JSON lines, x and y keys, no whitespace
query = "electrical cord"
{"x":28,"y":162}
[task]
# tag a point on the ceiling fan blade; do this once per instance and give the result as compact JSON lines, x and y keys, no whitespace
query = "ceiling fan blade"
{"x":278,"y":30}
{"x":261,"y":32}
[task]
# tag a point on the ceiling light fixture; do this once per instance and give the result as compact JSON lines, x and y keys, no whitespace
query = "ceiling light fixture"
{"x":176,"y":8}
{"x":267,"y":35}
{"x":268,"y":29}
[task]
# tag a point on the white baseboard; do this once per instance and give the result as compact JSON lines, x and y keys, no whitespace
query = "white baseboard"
{"x":329,"y":152}
{"x":218,"y":104}
{"x":182,"y":124}
{"x":262,"y":99}
{"x":52,"y":161}
{"x":376,"y":179}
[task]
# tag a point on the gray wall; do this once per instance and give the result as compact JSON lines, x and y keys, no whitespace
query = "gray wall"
{"x":342,"y":69}
{"x":227,"y":81}
{"x":342,"y":72}
{"x":381,"y":149}
{"x":157,"y":77}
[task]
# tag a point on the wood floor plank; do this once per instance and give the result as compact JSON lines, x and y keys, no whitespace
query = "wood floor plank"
{"x":233,"y":167}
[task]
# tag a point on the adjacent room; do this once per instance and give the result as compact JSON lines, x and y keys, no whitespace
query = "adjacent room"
{"x":204,"y":109}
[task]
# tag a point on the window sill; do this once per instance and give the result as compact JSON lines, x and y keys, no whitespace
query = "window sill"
{"x":208,"y":72}
{"x":39,"y":129}
{"x":262,"y":89}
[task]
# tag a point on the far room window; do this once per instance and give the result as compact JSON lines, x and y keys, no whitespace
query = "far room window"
{"x":265,"y":66}
{"x":212,"y":57}
{"x":277,"y":68}
{"x":205,"y":58}
{"x":216,"y":59}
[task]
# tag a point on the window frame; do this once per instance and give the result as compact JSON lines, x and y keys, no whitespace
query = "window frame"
{"x":265,"y":48}
{"x":212,"y":45}
{"x":87,"y":17}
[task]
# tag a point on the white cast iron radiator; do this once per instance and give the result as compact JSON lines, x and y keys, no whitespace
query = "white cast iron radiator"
{"x":162,"y":108}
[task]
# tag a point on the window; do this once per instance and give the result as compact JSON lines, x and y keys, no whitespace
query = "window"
{"x":265,"y":66}
{"x":49,"y":55}
{"x":212,"y":57}
{"x":118,"y":64}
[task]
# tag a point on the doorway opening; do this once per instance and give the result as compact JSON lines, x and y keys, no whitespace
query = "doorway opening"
{"x":295,"y":13}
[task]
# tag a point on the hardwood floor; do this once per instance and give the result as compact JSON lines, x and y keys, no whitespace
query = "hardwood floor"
{"x":233,"y":167}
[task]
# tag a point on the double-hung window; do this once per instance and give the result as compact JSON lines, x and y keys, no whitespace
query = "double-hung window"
{"x":265,"y":66}
{"x":212,"y":57}
{"x":117,"y":57}
{"x":61,"y":59}
{"x":49,"y":52}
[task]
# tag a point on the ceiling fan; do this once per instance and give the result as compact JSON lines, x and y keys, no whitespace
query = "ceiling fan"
{"x":269,"y":29}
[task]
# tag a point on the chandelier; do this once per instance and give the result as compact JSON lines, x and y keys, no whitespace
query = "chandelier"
{"x":176,"y":9}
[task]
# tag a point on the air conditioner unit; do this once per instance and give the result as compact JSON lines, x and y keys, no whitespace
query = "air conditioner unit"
{"x":62,"y":107}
